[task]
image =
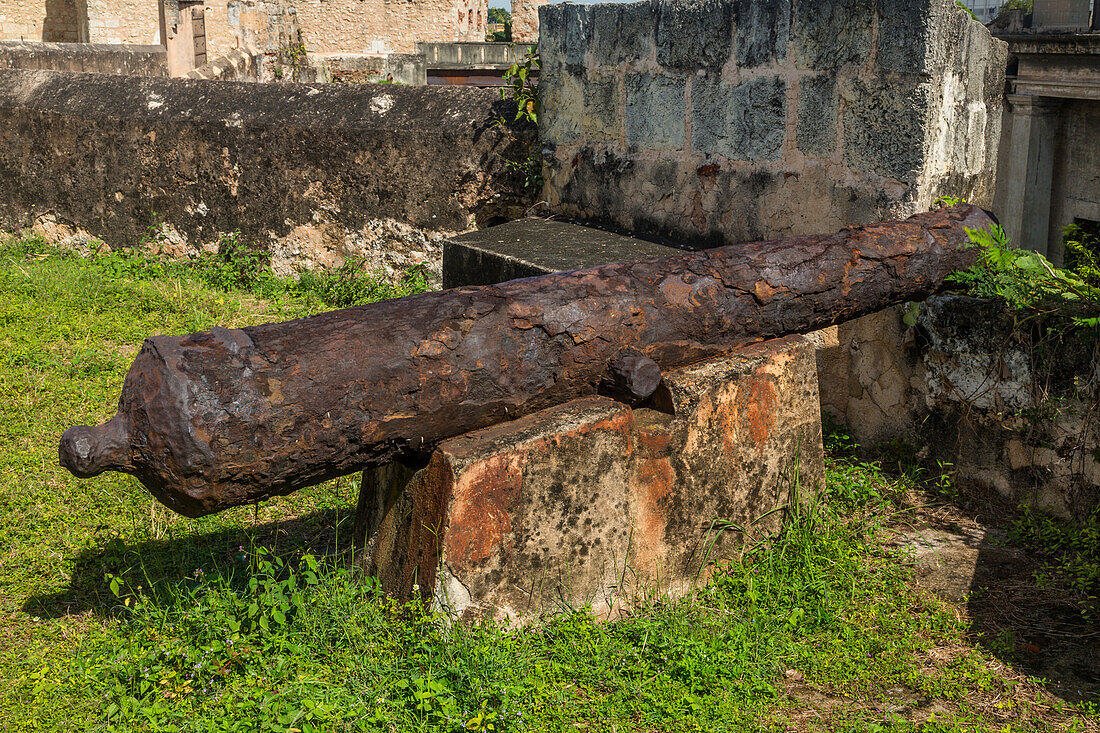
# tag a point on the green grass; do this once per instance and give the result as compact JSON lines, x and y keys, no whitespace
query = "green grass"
{"x":118,"y":615}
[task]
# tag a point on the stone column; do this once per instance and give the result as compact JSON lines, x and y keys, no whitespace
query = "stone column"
{"x":1026,"y":214}
{"x":525,"y":20}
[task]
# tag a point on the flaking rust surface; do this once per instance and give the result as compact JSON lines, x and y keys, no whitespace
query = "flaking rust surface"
{"x":227,"y":417}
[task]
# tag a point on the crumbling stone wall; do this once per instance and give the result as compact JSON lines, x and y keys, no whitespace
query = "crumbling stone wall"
{"x":991,"y":402}
{"x":41,"y":20}
{"x":242,"y":64}
{"x":716,"y":121}
{"x":266,"y":25}
{"x":388,"y":26}
{"x":525,"y":20}
{"x":313,"y":173}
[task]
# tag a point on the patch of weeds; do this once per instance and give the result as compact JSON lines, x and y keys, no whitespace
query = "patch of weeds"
{"x":235,"y":267}
{"x":1071,"y":551}
{"x":838,"y":439}
{"x":350,"y":285}
{"x":1082,"y":251}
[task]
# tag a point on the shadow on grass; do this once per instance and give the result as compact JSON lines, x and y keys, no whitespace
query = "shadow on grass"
{"x":157,"y":565}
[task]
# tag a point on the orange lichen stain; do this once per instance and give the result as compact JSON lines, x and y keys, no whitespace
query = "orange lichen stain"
{"x":654,"y":482}
{"x":274,"y":389}
{"x":760,"y":404}
{"x":653,"y":443}
{"x":485,"y":499}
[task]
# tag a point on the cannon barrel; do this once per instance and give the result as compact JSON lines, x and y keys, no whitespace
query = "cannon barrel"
{"x":230,"y":416}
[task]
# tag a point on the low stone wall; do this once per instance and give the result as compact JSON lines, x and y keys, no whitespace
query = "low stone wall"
{"x":719,"y":121}
{"x":349,"y":68}
{"x":241,"y":64}
{"x":92,"y":58}
{"x":972,"y":388}
{"x":314,"y":173}
{"x":468,"y":55}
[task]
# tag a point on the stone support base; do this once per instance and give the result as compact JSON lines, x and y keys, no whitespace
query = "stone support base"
{"x":594,"y":503}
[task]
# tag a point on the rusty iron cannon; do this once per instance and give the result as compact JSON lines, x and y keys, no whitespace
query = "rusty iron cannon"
{"x":231,"y":416}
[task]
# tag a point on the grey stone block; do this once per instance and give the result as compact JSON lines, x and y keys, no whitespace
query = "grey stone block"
{"x":885,"y":127}
{"x":623,"y":32}
{"x":828,"y":34}
{"x":561,"y":94}
{"x":655,"y":111}
{"x":576,"y":33}
{"x":817,"y":115}
{"x":603,"y":109}
{"x":694,"y":34}
{"x":552,"y":35}
{"x":743,"y":122}
{"x":905,"y":28}
{"x":531,"y":247}
{"x":763,"y":31}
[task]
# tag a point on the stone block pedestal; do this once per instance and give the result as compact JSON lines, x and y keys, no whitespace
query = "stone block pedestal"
{"x":592,"y":502}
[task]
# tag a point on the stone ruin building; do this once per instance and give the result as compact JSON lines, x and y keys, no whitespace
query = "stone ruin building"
{"x":666,"y":125}
{"x":375,"y":29}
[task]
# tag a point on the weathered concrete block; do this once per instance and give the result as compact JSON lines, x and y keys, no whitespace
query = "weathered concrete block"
{"x":694,"y":34}
{"x":623,"y":32}
{"x":763,"y":31}
{"x":886,"y":127}
{"x":654,"y":114}
{"x":591,"y":502}
{"x":603,"y":109}
{"x":817,"y":115}
{"x":530,"y":247}
{"x":564,"y":93}
{"x":828,"y":35}
{"x":742,"y":122}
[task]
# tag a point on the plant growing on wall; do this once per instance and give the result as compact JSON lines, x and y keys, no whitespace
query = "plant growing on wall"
{"x":522,"y":78}
{"x":1027,"y":280}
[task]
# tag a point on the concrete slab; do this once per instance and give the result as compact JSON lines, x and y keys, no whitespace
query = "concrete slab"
{"x":531,"y":247}
{"x":593,"y":503}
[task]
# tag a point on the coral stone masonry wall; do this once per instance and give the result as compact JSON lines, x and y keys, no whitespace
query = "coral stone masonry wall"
{"x":313,"y":173}
{"x":388,"y":26}
{"x":978,"y":393}
{"x":717,"y":121}
{"x":41,"y":20}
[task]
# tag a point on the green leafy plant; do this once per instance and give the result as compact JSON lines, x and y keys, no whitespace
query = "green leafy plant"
{"x":1027,"y":280}
{"x":1071,"y":550}
{"x":524,"y":93}
{"x":521,"y":77}
{"x":947,"y":201}
{"x":1082,"y":252}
